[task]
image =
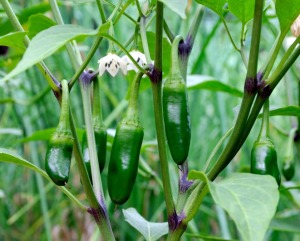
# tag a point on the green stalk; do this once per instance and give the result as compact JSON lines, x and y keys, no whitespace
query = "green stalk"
{"x":266,"y":70}
{"x":97,"y":211}
{"x":161,"y":139}
{"x":18,"y":27}
{"x":86,"y":99}
{"x":156,"y":82}
{"x":264,"y":130}
{"x":248,"y":98}
{"x":144,"y":39}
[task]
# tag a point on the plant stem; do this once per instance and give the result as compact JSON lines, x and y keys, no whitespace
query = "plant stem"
{"x":264,"y":130}
{"x":86,"y":99}
{"x":156,"y":81}
{"x":98,"y":211}
{"x":161,"y":139}
{"x":159,"y":36}
{"x":249,"y":95}
{"x":144,"y":39}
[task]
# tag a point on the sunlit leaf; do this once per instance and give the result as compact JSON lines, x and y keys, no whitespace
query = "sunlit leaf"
{"x":38,"y":23}
{"x":242,"y":9}
{"x":215,"y":5}
{"x":251,"y":201}
{"x":151,"y":231}
{"x":177,"y":6}
{"x":287,"y":11}
{"x":49,"y":41}
{"x":14,"y":39}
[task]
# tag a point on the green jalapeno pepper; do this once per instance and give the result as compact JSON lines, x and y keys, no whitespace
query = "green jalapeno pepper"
{"x":60,"y":146}
{"x":176,"y":111}
{"x":124,"y":158}
{"x":263,"y":154}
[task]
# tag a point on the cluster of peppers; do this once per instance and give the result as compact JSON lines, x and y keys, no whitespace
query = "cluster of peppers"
{"x":123,"y":164}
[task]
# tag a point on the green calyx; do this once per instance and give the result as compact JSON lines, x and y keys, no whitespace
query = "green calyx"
{"x":60,"y":146}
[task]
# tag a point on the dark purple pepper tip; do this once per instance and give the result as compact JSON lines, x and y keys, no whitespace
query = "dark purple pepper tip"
{"x":87,"y":77}
{"x":185,"y":47}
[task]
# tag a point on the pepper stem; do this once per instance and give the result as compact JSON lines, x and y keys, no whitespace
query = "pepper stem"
{"x":132,"y":111}
{"x":97,"y":109}
{"x":64,"y":120}
{"x":264,"y":130}
{"x":175,"y":57}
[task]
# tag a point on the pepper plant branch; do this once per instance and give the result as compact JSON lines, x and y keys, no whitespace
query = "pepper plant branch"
{"x":144,"y":39}
{"x":101,"y":11}
{"x":85,"y":86}
{"x":156,"y":83}
{"x":98,"y":212}
{"x":159,"y":36}
{"x":266,"y":70}
{"x":249,"y":95}
{"x":53,"y":83}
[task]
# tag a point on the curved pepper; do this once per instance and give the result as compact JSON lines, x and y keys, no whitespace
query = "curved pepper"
{"x":60,"y":146}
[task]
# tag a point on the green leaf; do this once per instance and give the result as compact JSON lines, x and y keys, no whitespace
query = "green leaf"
{"x":177,"y":6}
{"x":285,"y":111}
{"x":13,"y":40}
{"x":214,"y":5}
{"x":151,"y":231}
{"x":10,"y":157}
{"x":251,"y":201}
{"x":13,"y":158}
{"x":38,"y":23}
{"x":195,"y":82}
{"x":287,"y":11}
{"x":49,"y":41}
{"x":242,"y":9}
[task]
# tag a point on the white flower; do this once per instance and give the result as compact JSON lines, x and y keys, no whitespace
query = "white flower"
{"x":112,"y":63}
{"x":139,"y":57}
{"x":296,"y":27}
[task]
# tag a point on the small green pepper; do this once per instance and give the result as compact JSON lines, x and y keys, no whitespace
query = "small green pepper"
{"x":263,"y":154}
{"x":176,"y":111}
{"x":288,"y":166}
{"x":264,"y":159}
{"x":124,"y":158}
{"x":60,"y":146}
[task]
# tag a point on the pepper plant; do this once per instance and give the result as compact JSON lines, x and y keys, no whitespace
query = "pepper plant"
{"x":153,"y":160}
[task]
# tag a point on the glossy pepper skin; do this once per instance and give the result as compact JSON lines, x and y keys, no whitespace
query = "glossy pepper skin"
{"x":58,"y":158}
{"x":123,"y":165}
{"x":60,"y":146}
{"x":100,"y":139}
{"x":264,"y":159}
{"x":176,"y":111}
